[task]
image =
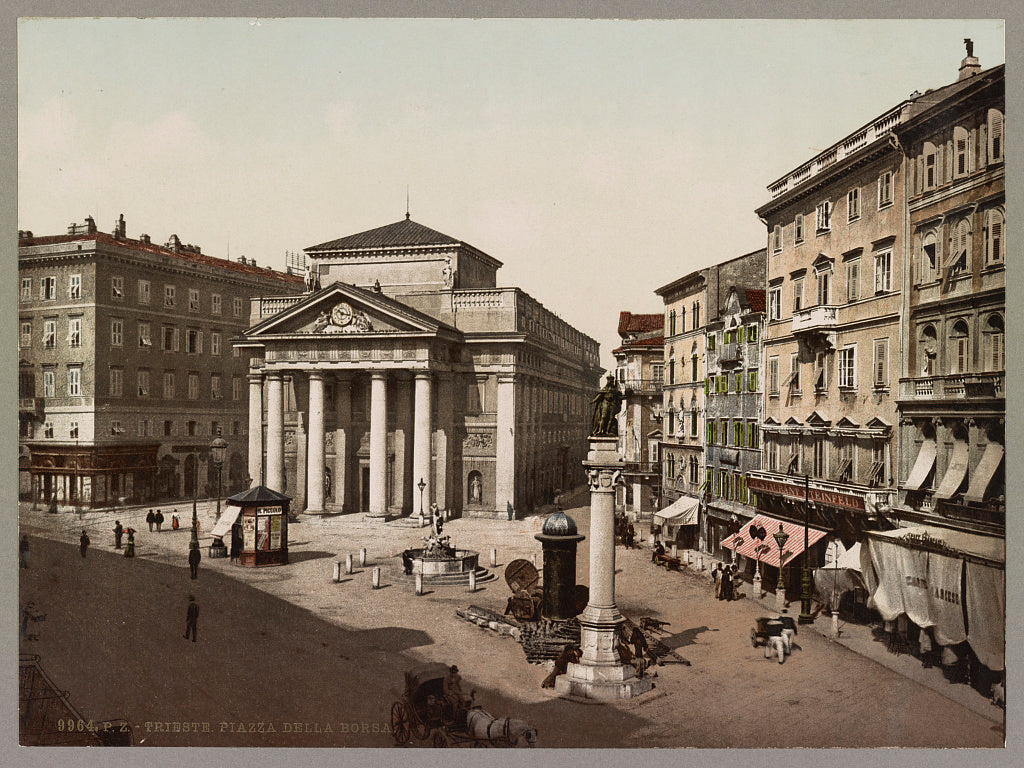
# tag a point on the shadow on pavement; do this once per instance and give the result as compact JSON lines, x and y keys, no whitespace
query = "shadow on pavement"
{"x":684,"y":638}
{"x":298,"y":557}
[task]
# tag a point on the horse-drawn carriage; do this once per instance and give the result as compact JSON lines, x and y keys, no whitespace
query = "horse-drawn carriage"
{"x":775,"y":633}
{"x":427,"y":712}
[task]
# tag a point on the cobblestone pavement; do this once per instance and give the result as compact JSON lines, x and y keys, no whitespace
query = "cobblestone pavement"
{"x":290,"y":648}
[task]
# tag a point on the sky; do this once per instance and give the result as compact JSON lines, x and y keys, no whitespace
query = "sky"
{"x":598,"y":160}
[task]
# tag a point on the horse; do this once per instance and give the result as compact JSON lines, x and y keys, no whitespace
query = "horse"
{"x":504,"y":730}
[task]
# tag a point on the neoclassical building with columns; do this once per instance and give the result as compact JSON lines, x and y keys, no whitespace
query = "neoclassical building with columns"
{"x":403,"y":376}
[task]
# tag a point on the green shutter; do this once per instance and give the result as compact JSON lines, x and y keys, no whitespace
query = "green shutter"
{"x":752,"y":381}
{"x":739,"y":335}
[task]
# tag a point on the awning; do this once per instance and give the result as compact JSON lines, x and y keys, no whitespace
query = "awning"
{"x":955,"y":472}
{"x":682,"y":511}
{"x":227,"y":519}
{"x":989,"y":548}
{"x":767,"y":551}
{"x":923,"y":465}
{"x":990,"y":461}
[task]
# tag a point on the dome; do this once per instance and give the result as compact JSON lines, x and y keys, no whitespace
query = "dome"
{"x":559,"y":524}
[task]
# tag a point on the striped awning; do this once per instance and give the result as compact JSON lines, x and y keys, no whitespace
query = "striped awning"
{"x":767,"y":551}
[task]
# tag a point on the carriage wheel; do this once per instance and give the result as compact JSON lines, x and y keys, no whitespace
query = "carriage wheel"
{"x":753,"y":637}
{"x":420,"y":730}
{"x":400,"y":723}
{"x":440,"y":739}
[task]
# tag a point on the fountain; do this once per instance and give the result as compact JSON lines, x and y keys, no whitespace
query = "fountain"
{"x":442,"y":563}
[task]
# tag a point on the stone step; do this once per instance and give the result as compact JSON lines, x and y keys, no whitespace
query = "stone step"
{"x":483,"y":576}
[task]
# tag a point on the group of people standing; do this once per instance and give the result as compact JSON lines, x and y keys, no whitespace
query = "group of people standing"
{"x":726,"y":579}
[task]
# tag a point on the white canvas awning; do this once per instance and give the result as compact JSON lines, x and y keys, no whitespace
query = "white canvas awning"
{"x":955,"y":472}
{"x":227,"y":519}
{"x":986,"y":468}
{"x":683,"y":511}
{"x":923,"y":465}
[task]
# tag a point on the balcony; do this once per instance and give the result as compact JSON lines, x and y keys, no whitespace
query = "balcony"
{"x":729,"y":353}
{"x":642,"y":468}
{"x":819,"y":319}
{"x":30,"y":405}
{"x":957,"y":386}
{"x":642,"y":386}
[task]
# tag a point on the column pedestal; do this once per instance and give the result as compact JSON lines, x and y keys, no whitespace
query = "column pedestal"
{"x":600,"y":674}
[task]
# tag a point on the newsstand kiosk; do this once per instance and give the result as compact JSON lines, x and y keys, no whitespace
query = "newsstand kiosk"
{"x":260,"y":526}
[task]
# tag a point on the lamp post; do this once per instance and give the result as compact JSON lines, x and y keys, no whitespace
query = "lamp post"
{"x":780,"y":589}
{"x":218,"y":448}
{"x":805,"y":578}
{"x":194,"y":541}
{"x":421,"y":485}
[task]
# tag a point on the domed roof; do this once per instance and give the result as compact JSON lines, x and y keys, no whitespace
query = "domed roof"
{"x":559,"y":524}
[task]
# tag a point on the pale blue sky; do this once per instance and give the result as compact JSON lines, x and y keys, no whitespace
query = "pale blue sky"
{"x":573,"y":151}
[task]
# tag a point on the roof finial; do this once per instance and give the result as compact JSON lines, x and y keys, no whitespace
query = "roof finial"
{"x":406,"y":202}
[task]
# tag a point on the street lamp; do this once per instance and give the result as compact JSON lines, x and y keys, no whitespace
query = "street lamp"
{"x":218,"y":448}
{"x":421,"y":485}
{"x":780,"y":589}
{"x":194,"y":541}
{"x":805,"y":579}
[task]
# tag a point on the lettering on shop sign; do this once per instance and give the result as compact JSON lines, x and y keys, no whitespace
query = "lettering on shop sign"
{"x":818,"y":495}
{"x":946,"y":595}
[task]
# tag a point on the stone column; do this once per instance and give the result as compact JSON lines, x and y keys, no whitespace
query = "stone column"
{"x":378,"y":444}
{"x":315,"y":453}
{"x":422,"y":428}
{"x":443,"y":496}
{"x":505,"y":444}
{"x":600,"y":674}
{"x":275,"y":432}
{"x":343,"y":414}
{"x":255,"y":428}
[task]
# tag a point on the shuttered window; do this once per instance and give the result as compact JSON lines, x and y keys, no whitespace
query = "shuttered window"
{"x":880,"y":365}
{"x":994,"y":237}
{"x":995,"y":136}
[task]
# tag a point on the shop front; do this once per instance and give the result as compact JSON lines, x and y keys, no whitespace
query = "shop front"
{"x":677,"y":523}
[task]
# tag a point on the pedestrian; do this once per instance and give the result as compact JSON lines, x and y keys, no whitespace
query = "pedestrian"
{"x":716,"y":574}
{"x":191,"y":618}
{"x":193,"y":560}
{"x":23,"y":551}
{"x":158,"y":518}
{"x":236,"y":545}
{"x":83,"y":543}
{"x":630,"y":535}
{"x":150,"y":518}
{"x":118,"y":533}
{"x":726,"y":583}
{"x":174,"y":522}
{"x":129,"y":550}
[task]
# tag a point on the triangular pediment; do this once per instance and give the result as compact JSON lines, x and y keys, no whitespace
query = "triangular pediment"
{"x":817,"y":420}
{"x":877,"y":423}
{"x":771,"y":421}
{"x":847,"y":423}
{"x":341,"y":309}
{"x":792,"y":422}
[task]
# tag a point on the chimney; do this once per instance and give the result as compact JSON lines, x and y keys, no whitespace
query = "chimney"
{"x":174,"y":244}
{"x":90,"y":225}
{"x":144,"y":239}
{"x":969,"y":67}
{"x":119,"y":229}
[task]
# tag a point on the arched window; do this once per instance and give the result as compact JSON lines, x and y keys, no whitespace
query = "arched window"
{"x":959,"y":348}
{"x":927,"y":347}
{"x":927,"y":264}
{"x":993,"y":236}
{"x":995,"y":136}
{"x":995,"y":344}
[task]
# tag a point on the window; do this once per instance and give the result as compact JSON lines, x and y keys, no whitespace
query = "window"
{"x":144,"y":338}
{"x":236,"y":388}
{"x":193,"y":300}
{"x":48,"y":429}
{"x":876,"y":475}
{"x":959,"y":248}
{"x":753,"y":435}
{"x":798,"y":294}
{"x":215,"y":387}
{"x":885,"y":189}
{"x":995,"y":136}
{"x":824,"y":282}
{"x":50,"y":333}
{"x":823,"y":216}
{"x":820,"y":372}
{"x":773,"y":375}
{"x":774,"y":303}
{"x":670,"y":427}
{"x":959,"y":353}
{"x":696,"y":315}
{"x":693,"y":421}
{"x":712,"y":430}
{"x":144,"y":292}
{"x":927,"y":269}
{"x":75,"y":287}
{"x":193,"y":341}
{"x":961,"y":153}
{"x":168,"y":385}
{"x":930,"y":179}
{"x":116,"y":383}
{"x":738,"y":381}
{"x":214,"y":342}
{"x":722,"y":384}
{"x":215,"y":304}
{"x":798,"y":228}
{"x":772,"y":449}
{"x":880,"y":365}
{"x":671,"y":371}
{"x":117,"y":287}
{"x":752,"y":380}
{"x":73,"y":430}
{"x":672,"y":323}
{"x":25,"y":339}
{"x":993,"y":237}
{"x":883,"y":271}
{"x":727,"y":337}
{"x":847,"y":367}
{"x":819,"y":453}
{"x":658,"y":372}
{"x":711,"y":341}
{"x":169,"y":340}
{"x":693,"y":368}
{"x":26,"y":289}
{"x":169,"y":296}
{"x":141,"y":428}
{"x":116,"y":428}
{"x":168,"y":429}
{"x":694,"y":470}
{"x":995,"y":344}
{"x":853,"y":205}
{"x":49,"y":383}
{"x":852,"y":281}
{"x":75,"y":332}
{"x":74,"y":382}
{"x":236,"y":305}
{"x":794,"y":373}
{"x":116,"y":332}
{"x":739,"y":434}
{"x":927,"y":349}
{"x":142,"y":378}
{"x":777,"y":238}
{"x":844,"y":469}
{"x":670,"y":465}
{"x":48,"y":288}
{"x":739,"y":335}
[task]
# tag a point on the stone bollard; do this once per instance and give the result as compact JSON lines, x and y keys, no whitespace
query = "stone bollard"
{"x":533,"y":559}
{"x":419,"y":583}
{"x":494,"y":558}
{"x":362,"y":557}
{"x":835,"y":625}
{"x":650,"y":540}
{"x":675,"y":550}
{"x":348,"y":563}
{"x":700,"y":562}
{"x":337,"y":572}
{"x":472,"y":581}
{"x":376,"y":578}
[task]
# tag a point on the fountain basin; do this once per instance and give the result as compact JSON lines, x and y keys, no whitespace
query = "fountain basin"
{"x":456,"y":562}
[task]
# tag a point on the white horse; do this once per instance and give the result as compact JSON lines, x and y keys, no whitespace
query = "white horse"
{"x":503,"y":730}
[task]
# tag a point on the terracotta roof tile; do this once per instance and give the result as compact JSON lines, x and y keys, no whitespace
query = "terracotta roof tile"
{"x":630,"y":323}
{"x":401,"y":233}
{"x":756,"y":300}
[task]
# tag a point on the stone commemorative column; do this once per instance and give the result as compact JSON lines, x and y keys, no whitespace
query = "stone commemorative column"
{"x":600,"y":674}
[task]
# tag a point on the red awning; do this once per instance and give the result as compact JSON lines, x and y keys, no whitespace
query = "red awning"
{"x":767,"y":551}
